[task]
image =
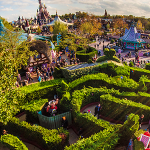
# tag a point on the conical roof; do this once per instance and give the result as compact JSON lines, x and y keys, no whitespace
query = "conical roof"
{"x":1,"y":27}
{"x":132,"y":35}
{"x":58,"y":20}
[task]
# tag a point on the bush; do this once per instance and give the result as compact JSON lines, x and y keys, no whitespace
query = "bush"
{"x":131,"y":64}
{"x":125,"y":63}
{"x":101,"y":140}
{"x":57,"y":73}
{"x":84,"y":57}
{"x":109,"y":68}
{"x":65,"y":102}
{"x":130,"y":126}
{"x":89,"y":61}
{"x":31,"y":109}
{"x":147,"y":66}
{"x":48,"y":139}
{"x":136,"y":73}
{"x":112,"y":41}
{"x":105,"y":58}
{"x":64,"y":85}
{"x":12,"y":142}
{"x":39,"y":90}
{"x":96,"y":80}
{"x":118,"y":108}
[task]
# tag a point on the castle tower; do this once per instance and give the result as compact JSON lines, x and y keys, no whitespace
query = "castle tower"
{"x":105,"y":13}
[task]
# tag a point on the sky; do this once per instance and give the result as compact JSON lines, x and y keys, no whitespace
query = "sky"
{"x":12,"y":9}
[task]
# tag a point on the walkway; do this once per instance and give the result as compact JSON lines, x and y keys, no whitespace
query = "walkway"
{"x":92,"y":109}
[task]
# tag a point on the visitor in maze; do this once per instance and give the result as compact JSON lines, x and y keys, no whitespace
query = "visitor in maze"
{"x":64,"y":122}
{"x":97,"y":110}
{"x":140,"y":121}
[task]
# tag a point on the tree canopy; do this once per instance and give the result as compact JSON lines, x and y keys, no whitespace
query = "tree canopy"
{"x":13,"y":54}
{"x":60,"y":28}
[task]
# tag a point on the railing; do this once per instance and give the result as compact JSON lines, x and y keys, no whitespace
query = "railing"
{"x":55,"y":121}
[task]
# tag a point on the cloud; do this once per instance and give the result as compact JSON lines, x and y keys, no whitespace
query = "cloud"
{"x":27,"y":8}
{"x":6,"y":9}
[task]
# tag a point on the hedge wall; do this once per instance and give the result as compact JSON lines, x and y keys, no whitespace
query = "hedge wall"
{"x":104,"y":58}
{"x":96,"y":80}
{"x":109,"y":68}
{"x":84,"y":57}
{"x":118,"y":108}
{"x":31,"y":109}
{"x":48,"y":139}
{"x":102,"y":140}
{"x":107,"y":139}
{"x":147,"y":66}
{"x":90,"y":123}
{"x":12,"y":142}
{"x":40,"y":90}
{"x":136,"y":73}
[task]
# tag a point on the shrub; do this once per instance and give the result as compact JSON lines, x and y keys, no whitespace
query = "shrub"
{"x":39,"y":90}
{"x":118,"y":108}
{"x":12,"y":142}
{"x":101,"y":79}
{"x":57,"y":73}
{"x":125,"y":63}
{"x":89,"y":61}
{"x":131,"y":64}
{"x":130,"y":126}
{"x":109,"y":68}
{"x":147,"y":66}
{"x":136,"y":73}
{"x":64,"y":85}
{"x":105,"y":58}
{"x":31,"y":109}
{"x":65,"y":102}
{"x":112,"y":41}
{"x":84,"y":57}
{"x":48,"y":139}
{"x":101,"y":140}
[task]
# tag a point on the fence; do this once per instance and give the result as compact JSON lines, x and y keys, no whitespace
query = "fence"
{"x":55,"y":121}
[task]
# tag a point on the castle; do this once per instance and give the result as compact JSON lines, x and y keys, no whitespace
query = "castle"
{"x":43,"y":16}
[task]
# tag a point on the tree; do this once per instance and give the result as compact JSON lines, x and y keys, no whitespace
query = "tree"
{"x":60,"y":28}
{"x":139,"y":25}
{"x":39,"y":30}
{"x":108,"y":26}
{"x":13,"y":54}
{"x":51,"y":29}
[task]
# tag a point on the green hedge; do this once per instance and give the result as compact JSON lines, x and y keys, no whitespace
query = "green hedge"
{"x":104,"y":58}
{"x":84,"y":57}
{"x":118,"y":108}
{"x":65,"y":102}
{"x":130,"y":126}
{"x":147,"y":66}
{"x":48,"y":139}
{"x":12,"y":142}
{"x":109,"y":68}
{"x":40,"y":90}
{"x":90,"y":123}
{"x":107,"y":139}
{"x":96,"y":80}
{"x":102,"y":140}
{"x":136,"y":73}
{"x":80,"y":98}
{"x":31,"y":109}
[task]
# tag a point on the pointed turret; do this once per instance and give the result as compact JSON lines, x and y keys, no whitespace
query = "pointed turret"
{"x":1,"y":26}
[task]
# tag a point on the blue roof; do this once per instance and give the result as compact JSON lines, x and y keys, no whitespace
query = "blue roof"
{"x":132,"y":35}
{"x":1,"y":27}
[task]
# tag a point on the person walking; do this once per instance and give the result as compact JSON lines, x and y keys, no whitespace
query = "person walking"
{"x":97,"y":110}
{"x":140,"y":121}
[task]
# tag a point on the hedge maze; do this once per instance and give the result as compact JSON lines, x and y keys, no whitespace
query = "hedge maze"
{"x":120,"y":90}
